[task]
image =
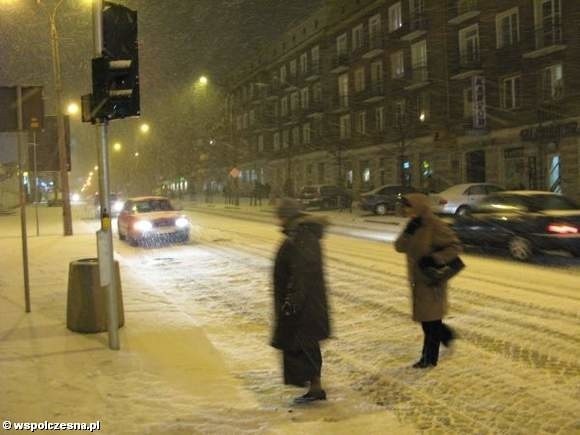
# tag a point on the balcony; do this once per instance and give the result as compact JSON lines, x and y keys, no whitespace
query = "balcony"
{"x":314,"y":109}
{"x":469,"y":65}
{"x":547,"y":40}
{"x":373,"y":46}
{"x":313,"y":72}
{"x":290,"y":84}
{"x":340,"y":104}
{"x":419,"y":77}
{"x":266,"y":122}
{"x":417,"y":27}
{"x":340,"y":63}
{"x":373,"y":93}
{"x":466,"y":10}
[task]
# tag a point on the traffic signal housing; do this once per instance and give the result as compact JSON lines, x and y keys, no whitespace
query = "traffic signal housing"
{"x":116,"y":74}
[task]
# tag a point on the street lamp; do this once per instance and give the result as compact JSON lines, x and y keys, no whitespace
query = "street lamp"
{"x":144,"y":128}
{"x":62,"y":151}
{"x":117,"y":146}
{"x":72,"y":108}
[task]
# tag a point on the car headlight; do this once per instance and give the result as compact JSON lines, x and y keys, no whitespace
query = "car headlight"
{"x":182,"y":222}
{"x":143,"y":226}
{"x":118,"y":206}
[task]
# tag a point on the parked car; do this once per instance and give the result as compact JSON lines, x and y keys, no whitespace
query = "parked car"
{"x":461,"y":198}
{"x":523,"y":222}
{"x":152,"y":217}
{"x":324,"y":196}
{"x":384,"y":199}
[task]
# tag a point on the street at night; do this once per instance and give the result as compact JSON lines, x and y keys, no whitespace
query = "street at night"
{"x":196,"y":357}
{"x":290,"y":216}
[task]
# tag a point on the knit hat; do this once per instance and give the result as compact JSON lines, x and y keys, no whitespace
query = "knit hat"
{"x":288,"y":208}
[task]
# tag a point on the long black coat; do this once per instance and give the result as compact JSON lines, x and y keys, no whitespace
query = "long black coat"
{"x":298,"y":270}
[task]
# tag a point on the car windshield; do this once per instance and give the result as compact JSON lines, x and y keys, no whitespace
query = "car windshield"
{"x":550,"y":202}
{"x":153,"y":205}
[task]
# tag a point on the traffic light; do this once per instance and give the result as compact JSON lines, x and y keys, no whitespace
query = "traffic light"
{"x":116,"y":73}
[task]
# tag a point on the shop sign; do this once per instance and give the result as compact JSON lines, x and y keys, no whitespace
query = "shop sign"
{"x":553,"y":131}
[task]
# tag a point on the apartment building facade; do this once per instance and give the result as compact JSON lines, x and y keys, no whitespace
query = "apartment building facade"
{"x":425,"y":92}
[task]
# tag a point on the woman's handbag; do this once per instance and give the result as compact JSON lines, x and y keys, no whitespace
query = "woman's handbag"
{"x":437,"y":273}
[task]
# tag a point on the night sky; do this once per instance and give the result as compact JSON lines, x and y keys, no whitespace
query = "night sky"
{"x":179,"y":41}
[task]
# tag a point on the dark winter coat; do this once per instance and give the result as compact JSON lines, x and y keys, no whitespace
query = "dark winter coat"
{"x":299,"y":277}
{"x":433,"y":238}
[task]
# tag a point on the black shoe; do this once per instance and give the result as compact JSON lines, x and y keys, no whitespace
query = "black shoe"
{"x":422,"y":364}
{"x":449,"y":337}
{"x":310,"y":397}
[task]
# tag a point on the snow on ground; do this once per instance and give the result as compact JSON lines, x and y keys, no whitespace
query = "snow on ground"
{"x":195,"y":355}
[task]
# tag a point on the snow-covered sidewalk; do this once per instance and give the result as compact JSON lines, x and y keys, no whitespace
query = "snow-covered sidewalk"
{"x":167,"y":378}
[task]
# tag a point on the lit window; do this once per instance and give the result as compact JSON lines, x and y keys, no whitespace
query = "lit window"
{"x":395,"y":17}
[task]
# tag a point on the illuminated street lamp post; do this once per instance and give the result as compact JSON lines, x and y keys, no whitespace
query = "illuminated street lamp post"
{"x":62,"y":152}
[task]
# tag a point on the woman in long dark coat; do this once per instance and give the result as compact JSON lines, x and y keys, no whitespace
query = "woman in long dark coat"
{"x":300,"y":303}
{"x":427,"y":241}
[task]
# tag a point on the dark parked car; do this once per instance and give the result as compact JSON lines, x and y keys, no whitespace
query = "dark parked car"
{"x":324,"y":196}
{"x":384,"y":199}
{"x":523,"y":222}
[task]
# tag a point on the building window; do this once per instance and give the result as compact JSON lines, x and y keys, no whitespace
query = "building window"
{"x":284,"y":106}
{"x":341,"y":45}
{"x":283,"y":74}
{"x":380,"y":119}
{"x":510,"y":92}
{"x":365,"y":174}
{"x":419,"y":61}
{"x":375,"y":29}
{"x":245,"y":120}
{"x":395,"y":17}
{"x":399,"y":112}
{"x":469,"y":44}
{"x":468,"y":103}
{"x":357,"y":37}
{"x":260,"y":143}
{"x":293,"y":68}
{"x":294,"y":102}
{"x":552,"y":82}
{"x":321,"y":176}
{"x":239,"y":122}
{"x":345,"y":130}
{"x":315,"y":55}
{"x":423,"y":107}
{"x":361,"y":123}
{"x":317,"y":92}
{"x":296,"y":136}
{"x":359,"y":80}
{"x":306,"y":136}
{"x":397,"y":65}
{"x":507,"y":28}
{"x":303,"y":63}
{"x":377,"y":71}
{"x":285,"y":138}
{"x":304,"y":98}
{"x":252,"y":117}
{"x":277,"y":141}
{"x":548,"y":22}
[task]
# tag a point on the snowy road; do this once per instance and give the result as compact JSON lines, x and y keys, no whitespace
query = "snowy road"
{"x":516,"y":368}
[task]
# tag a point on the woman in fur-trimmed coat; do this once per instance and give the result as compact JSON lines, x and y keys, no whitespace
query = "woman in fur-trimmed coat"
{"x":301,"y":317}
{"x":427,"y":241}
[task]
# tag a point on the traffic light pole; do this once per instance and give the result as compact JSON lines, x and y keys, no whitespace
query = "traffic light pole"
{"x":105,"y":234}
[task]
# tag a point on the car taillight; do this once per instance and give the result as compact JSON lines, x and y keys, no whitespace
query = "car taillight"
{"x":562,"y":228}
{"x":442,"y":201}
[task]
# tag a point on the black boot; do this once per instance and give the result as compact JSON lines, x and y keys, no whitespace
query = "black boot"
{"x":310,"y":396}
{"x":447,"y":335}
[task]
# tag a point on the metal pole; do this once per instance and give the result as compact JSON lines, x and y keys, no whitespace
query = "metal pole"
{"x":22,"y":203}
{"x":105,"y":235}
{"x":62,"y":152}
{"x":35,"y":182}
